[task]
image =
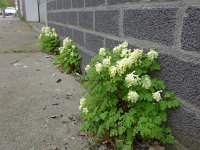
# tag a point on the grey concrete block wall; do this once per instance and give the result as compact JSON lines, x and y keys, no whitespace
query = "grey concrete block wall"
{"x":171,"y":26}
{"x":155,"y":24}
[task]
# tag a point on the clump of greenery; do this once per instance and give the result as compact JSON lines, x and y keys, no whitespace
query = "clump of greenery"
{"x":122,"y":103}
{"x":49,"y":40}
{"x":68,"y":58}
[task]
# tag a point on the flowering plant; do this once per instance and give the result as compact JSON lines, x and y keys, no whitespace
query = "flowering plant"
{"x":49,"y":40}
{"x":123,"y":103}
{"x":68,"y":58}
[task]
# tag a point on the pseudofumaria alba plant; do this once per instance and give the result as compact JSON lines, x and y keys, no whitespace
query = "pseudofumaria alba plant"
{"x":123,"y":104}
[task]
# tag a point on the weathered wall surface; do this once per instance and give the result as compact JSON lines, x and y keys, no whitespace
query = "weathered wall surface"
{"x":171,"y":26}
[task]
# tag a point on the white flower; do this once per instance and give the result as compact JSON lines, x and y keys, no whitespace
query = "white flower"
{"x":61,"y":50}
{"x":53,"y":30}
{"x":119,"y":48}
{"x":85,"y":110}
{"x":106,"y":62}
{"x":55,"y":35}
{"x":157,"y":96}
{"x":125,"y":52}
{"x":98,"y":67}
{"x":124,"y":44}
{"x":82,"y":102}
{"x":102,"y":51}
{"x":146,"y":83}
{"x":133,"y":96}
{"x":112,"y":71}
{"x":132,"y":79}
{"x":115,"y":49}
{"x":87,"y":68}
{"x":152,"y":55}
{"x":67,"y":41}
{"x":73,"y":46}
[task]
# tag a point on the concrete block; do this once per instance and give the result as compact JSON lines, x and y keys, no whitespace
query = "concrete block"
{"x":185,"y":124}
{"x":54,"y":5}
{"x":121,"y":1}
{"x":49,"y":6}
{"x":181,"y":77}
{"x":61,"y":31}
{"x":93,"y":42}
{"x":78,"y":37}
{"x":77,"y":3}
{"x":110,"y":43}
{"x":107,"y":21}
{"x":66,"y":4}
{"x":72,"y":18}
{"x":67,"y":32}
{"x":153,"y":24}
{"x":190,"y":39}
{"x":85,"y":59}
{"x":93,"y":3}
{"x":86,"y":19}
{"x":59,"y":4}
{"x":64,"y":17}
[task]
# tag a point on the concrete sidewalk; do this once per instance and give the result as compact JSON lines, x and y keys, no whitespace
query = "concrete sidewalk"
{"x":36,"y":112}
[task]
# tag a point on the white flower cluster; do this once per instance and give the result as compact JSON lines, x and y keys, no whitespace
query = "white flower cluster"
{"x":99,"y":67}
{"x":128,"y":59}
{"x":47,"y":31}
{"x":152,"y":55}
{"x":102,"y":51}
{"x":146,"y":83}
{"x":82,"y":103}
{"x":157,"y":96}
{"x":87,"y":68}
{"x":132,"y":80}
{"x":106,"y":62}
{"x":67,"y":41}
{"x":133,"y":96}
{"x":61,"y":49}
{"x":112,"y":71}
{"x":119,"y":48}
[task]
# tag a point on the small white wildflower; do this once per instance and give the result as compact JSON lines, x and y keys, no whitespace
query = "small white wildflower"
{"x":157,"y":96}
{"x":67,"y":41}
{"x":121,"y":68}
{"x":112,"y":71}
{"x":152,"y":55}
{"x":125,"y":52}
{"x":132,"y":79}
{"x":135,"y":56}
{"x":85,"y":110}
{"x":133,"y":96}
{"x":106,"y":62}
{"x":87,"y":68}
{"x":124,"y":44}
{"x":146,"y":83}
{"x":98,"y":67}
{"x":73,"y":46}
{"x":61,"y":50}
{"x":115,"y":50}
{"x":102,"y":51}
{"x":82,"y":102}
